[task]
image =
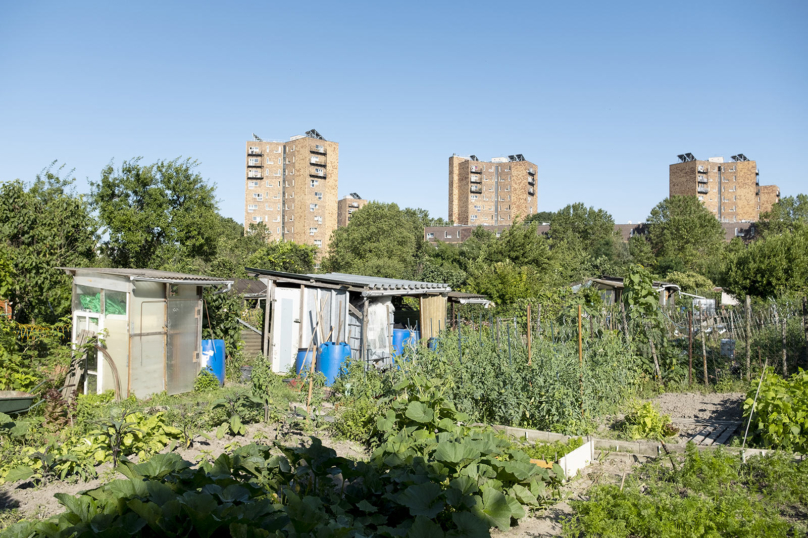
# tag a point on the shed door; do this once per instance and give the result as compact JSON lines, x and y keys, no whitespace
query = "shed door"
{"x":182,"y":339}
{"x":147,"y":373}
{"x":285,"y":329}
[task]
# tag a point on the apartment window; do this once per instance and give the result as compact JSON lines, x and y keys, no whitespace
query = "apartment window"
{"x":314,"y":183}
{"x":701,"y":198}
{"x":278,"y":173}
{"x":318,"y":170}
{"x":279,"y":207}
{"x":473,"y":197}
{"x":478,"y":208}
{"x":430,"y":236}
{"x":277,"y":196}
{"x":254,"y":150}
{"x":312,"y":231}
{"x":256,"y":219}
{"x":277,"y":219}
{"x":252,"y":184}
{"x":312,"y":207}
{"x":252,"y":207}
{"x":255,"y":160}
{"x":319,"y":219}
{"x":290,"y":218}
{"x":446,"y":235}
{"x":279,"y":230}
{"x":318,"y":243}
{"x":258,"y":196}
{"x":278,"y":150}
{"x":318,"y":195}
{"x":318,"y":147}
{"x":254,"y":173}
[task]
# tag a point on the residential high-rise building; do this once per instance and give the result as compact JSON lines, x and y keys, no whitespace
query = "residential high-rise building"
{"x":730,"y":190}
{"x":292,"y":187}
{"x":491,"y":192}
{"x":347,"y":207}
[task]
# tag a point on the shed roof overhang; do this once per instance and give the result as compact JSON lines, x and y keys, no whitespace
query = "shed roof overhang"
{"x":149,"y":275}
{"x":367,"y":285}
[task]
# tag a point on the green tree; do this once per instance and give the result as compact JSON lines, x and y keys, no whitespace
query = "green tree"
{"x":505,"y":282}
{"x":784,"y":215}
{"x":234,"y":247}
{"x":380,"y":240}
{"x":684,"y":235}
{"x":540,"y":218}
{"x":286,"y":256}
{"x":591,"y":228}
{"x":43,"y":226}
{"x":691,"y":282}
{"x":769,"y":266}
{"x":156,"y":216}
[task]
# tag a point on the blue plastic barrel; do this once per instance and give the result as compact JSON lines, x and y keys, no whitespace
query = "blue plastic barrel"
{"x":213,"y":358}
{"x":432,"y":344}
{"x":303,"y":361}
{"x":403,"y":337}
{"x":332,"y":355}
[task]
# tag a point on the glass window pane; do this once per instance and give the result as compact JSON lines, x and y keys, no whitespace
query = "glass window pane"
{"x":114,"y":303}
{"x":89,"y":299}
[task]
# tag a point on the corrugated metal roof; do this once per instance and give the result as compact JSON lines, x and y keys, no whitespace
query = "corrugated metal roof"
{"x":370,"y":283}
{"x":148,"y":274}
{"x":379,"y":283}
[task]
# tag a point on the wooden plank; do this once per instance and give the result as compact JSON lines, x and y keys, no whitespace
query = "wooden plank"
{"x":714,"y":435}
{"x":724,"y":437}
{"x":699,"y":437}
{"x":353,"y":310}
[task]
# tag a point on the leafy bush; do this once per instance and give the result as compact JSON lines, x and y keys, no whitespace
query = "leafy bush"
{"x":781,"y":414}
{"x":121,"y":435}
{"x":357,"y":420}
{"x":645,"y":422}
{"x":554,"y":451}
{"x":206,"y":381}
{"x":709,"y":494}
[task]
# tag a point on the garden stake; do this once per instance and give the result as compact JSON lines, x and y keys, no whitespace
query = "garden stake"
{"x":528,"y":335}
{"x":785,"y":366}
{"x":690,"y":346}
{"x":704,"y":353}
{"x":538,"y":323}
{"x":748,"y":338}
{"x":510,"y":359}
{"x":581,"y":360}
{"x":459,"y":339}
{"x":748,"y":422}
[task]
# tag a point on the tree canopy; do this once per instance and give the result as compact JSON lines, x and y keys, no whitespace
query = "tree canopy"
{"x":684,"y":235}
{"x":156,"y":215}
{"x":43,"y":226}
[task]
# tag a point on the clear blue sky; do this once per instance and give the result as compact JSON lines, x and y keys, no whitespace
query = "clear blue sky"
{"x":601,"y":95}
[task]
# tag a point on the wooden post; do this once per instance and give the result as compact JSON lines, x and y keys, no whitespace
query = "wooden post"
{"x":538,"y":323}
{"x":625,"y":323}
{"x":704,"y":351}
{"x":748,"y":338}
{"x":529,"y":332}
{"x":364,"y":337}
{"x":653,"y":353}
{"x":690,"y":346}
{"x":302,"y":316}
{"x":581,"y":359}
{"x":785,"y":365}
{"x":268,"y":304}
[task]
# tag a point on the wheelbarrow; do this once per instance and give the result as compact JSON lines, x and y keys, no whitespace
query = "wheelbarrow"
{"x":15,"y":401}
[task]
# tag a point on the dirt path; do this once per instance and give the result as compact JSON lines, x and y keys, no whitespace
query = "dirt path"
{"x":707,"y":407}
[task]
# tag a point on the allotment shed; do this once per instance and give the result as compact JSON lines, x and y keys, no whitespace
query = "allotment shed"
{"x":338,"y":307}
{"x":153,"y":325}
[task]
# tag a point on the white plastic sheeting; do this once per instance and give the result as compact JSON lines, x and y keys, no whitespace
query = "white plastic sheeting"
{"x":378,"y":343}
